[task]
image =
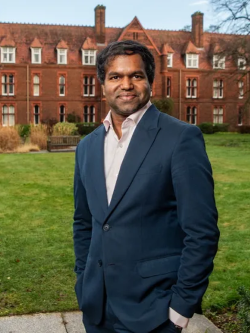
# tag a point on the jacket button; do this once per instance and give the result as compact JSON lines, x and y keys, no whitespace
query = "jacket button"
{"x":100,"y":263}
{"x":106,"y":227}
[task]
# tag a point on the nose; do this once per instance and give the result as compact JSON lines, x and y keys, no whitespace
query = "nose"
{"x":126,"y":84}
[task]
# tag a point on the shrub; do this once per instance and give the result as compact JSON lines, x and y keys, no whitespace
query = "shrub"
{"x":244,"y":308}
{"x":206,"y":128}
{"x":73,"y":118}
{"x":86,"y":128}
{"x":165,"y":105}
{"x":220,"y":127}
{"x":26,"y":148}
{"x":244,"y":129}
{"x":9,"y":138}
{"x":64,"y":129}
{"x":24,"y":130}
{"x":38,"y":135}
{"x":50,"y":123}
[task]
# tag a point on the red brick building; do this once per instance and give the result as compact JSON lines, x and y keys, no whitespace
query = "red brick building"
{"x":48,"y":71}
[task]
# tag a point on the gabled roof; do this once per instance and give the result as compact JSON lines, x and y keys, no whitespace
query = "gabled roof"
{"x":190,"y":48}
{"x":36,"y":43}
{"x":166,"y":49}
{"x":89,"y":44}
{"x":7,"y":41}
{"x":62,"y":45}
{"x":135,"y":26}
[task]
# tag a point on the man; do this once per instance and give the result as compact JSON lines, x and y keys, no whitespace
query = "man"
{"x":145,"y":222}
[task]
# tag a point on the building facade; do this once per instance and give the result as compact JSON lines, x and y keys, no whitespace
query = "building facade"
{"x":49,"y":71}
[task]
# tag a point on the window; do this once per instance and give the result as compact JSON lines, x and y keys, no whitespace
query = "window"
{"x":88,"y":86}
{"x":218,"y":88}
{"x":241,"y":63}
{"x":62,"y":113}
{"x":36,"y":85}
{"x":62,"y":83}
{"x":240,"y":116}
{"x":8,"y":115}
{"x":8,"y":84}
{"x":169,"y":87}
{"x":36,"y":55}
{"x":218,"y":62}
{"x":135,"y":35}
{"x":89,"y":114}
{"x":36,"y":114}
{"x":88,"y":57}
{"x":62,"y":56}
{"x":191,"y":115}
{"x":218,"y":115}
{"x":191,"y":88}
{"x":192,"y":60}
{"x":8,"y":55}
{"x":170,"y":60}
{"x":241,"y":89}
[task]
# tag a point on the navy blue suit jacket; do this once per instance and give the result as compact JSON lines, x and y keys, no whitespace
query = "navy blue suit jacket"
{"x":154,"y":245}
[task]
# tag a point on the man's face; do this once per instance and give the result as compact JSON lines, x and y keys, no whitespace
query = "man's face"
{"x":126,"y":85}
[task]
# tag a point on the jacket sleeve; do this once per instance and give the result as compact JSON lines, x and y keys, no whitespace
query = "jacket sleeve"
{"x":82,"y":226}
{"x":197,"y":215}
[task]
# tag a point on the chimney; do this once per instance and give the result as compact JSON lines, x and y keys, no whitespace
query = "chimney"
{"x":100,"y":24}
{"x":197,"y":29}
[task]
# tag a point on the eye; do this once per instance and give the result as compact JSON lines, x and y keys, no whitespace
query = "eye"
{"x":115,"y":77}
{"x":138,"y":77}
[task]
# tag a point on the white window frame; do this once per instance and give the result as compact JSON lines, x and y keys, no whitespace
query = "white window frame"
{"x":62,"y":85}
{"x":36,"y":114}
{"x":62,"y":53}
{"x":192,"y":60}
{"x":87,"y":86}
{"x":242,"y":63}
{"x":8,"y":85}
{"x":240,"y":116}
{"x":192,"y":115}
{"x":8,"y":115}
{"x":7,"y":52}
{"x":62,"y":114}
{"x":218,"y":115}
{"x":241,"y":89}
{"x":34,"y":52}
{"x":170,"y":60}
{"x":192,"y":87}
{"x":90,"y":113}
{"x":169,"y":86}
{"x":36,"y":85}
{"x":89,"y":57}
{"x":218,"y":88}
{"x":219,"y":62}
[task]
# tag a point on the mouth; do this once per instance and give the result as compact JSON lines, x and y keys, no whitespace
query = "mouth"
{"x":128,"y":97}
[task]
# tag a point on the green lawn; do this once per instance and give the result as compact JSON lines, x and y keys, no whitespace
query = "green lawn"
{"x":36,"y":208}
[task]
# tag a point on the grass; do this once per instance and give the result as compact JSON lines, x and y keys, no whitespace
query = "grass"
{"x":36,"y":208}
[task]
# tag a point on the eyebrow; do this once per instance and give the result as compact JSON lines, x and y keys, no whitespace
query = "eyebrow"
{"x":130,"y":74}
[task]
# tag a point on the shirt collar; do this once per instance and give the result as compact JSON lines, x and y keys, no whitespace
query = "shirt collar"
{"x":135,"y":117}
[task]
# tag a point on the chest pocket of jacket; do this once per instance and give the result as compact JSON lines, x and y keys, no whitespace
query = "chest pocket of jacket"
{"x":158,"y":266}
{"x":144,"y":170}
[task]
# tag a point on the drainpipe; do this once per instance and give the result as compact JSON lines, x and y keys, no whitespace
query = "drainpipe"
{"x":180,"y":95}
{"x":28,"y":96}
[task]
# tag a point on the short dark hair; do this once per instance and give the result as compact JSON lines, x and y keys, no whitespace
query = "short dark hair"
{"x":126,"y":47}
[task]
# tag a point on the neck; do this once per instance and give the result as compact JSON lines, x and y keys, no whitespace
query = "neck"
{"x":117,"y":121}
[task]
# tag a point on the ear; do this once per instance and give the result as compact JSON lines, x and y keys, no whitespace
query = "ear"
{"x":103,"y":90}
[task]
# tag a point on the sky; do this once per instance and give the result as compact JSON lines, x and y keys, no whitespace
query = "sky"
{"x":153,"y":14}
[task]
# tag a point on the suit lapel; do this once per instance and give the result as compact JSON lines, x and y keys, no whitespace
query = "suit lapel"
{"x":97,"y":167}
{"x":143,"y":138}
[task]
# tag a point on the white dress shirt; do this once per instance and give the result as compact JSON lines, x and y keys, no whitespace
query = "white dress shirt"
{"x":114,"y":152}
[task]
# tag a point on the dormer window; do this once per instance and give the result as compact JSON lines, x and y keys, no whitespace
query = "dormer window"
{"x":88,"y":57}
{"x":36,"y":55}
{"x":242,"y":63}
{"x":62,"y":56}
{"x":219,"y":62}
{"x":170,"y":60}
{"x":8,"y":55}
{"x":192,"y":60}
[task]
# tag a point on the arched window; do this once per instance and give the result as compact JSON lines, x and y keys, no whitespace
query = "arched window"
{"x":89,"y":114}
{"x":191,"y":116}
{"x":88,"y":86}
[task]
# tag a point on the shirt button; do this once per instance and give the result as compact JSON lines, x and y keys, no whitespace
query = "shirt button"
{"x":100,"y":263}
{"x":106,"y":227}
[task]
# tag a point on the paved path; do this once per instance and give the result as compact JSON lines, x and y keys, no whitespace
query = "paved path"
{"x":71,"y":322}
